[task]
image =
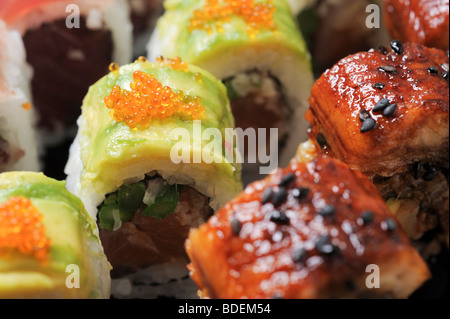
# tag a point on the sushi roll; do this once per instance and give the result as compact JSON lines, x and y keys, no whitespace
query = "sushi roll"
{"x":18,"y":141}
{"x":420,"y":21}
{"x":69,"y":45}
{"x":386,"y":113}
{"x":49,"y":245}
{"x":257,"y":50}
{"x":315,"y":229}
{"x":151,"y":160}
{"x":79,"y":38}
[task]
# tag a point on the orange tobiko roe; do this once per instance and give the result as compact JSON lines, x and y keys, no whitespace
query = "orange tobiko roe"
{"x":149,"y":99}
{"x":215,"y":12}
{"x":22,"y":229}
{"x":175,"y":63}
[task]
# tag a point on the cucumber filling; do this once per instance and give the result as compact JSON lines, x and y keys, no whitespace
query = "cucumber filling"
{"x":155,"y":197}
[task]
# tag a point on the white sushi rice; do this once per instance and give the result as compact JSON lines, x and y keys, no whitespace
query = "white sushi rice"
{"x":17,"y":124}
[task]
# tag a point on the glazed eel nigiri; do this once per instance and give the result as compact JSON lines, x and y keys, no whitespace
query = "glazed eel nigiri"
{"x":386,"y":113}
{"x":421,"y":21}
{"x":308,"y":231}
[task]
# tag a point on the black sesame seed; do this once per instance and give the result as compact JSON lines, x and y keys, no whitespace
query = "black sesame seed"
{"x":379,"y":86}
{"x":267,"y":196}
{"x":321,"y":140}
{"x":381,"y":105}
{"x":383,"y":49}
{"x":300,"y":192}
{"x":445,"y":75}
{"x":299,"y":255}
{"x":397,"y":46}
{"x":236,"y":226}
{"x":433,"y":70}
{"x":417,"y":168}
{"x":324,"y":246}
{"x":367,"y":217}
{"x":279,"y":218}
{"x":390,"y":110}
{"x":388,"y":69}
{"x":364,"y":115}
{"x":368,"y":125}
{"x":287,"y":180}
{"x":280,"y":196}
{"x":391,"y":225}
{"x":327,"y":211}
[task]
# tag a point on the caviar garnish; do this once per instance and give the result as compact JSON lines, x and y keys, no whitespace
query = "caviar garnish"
{"x":113,"y":67}
{"x":142,"y":59}
{"x":22,"y":229}
{"x":175,"y":63}
{"x":214,"y":13}
{"x":26,"y":106}
{"x":149,"y":99}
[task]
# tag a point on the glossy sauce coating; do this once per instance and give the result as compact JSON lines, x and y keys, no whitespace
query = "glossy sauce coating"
{"x":415,"y":129}
{"x":420,"y":21}
{"x":313,"y":243}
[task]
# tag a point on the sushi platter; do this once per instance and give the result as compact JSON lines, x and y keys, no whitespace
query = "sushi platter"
{"x":224,"y":149}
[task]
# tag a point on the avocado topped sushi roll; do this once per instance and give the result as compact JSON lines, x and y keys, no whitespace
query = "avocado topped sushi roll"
{"x":49,"y":245}
{"x":256,"y":49}
{"x":142,"y":164}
